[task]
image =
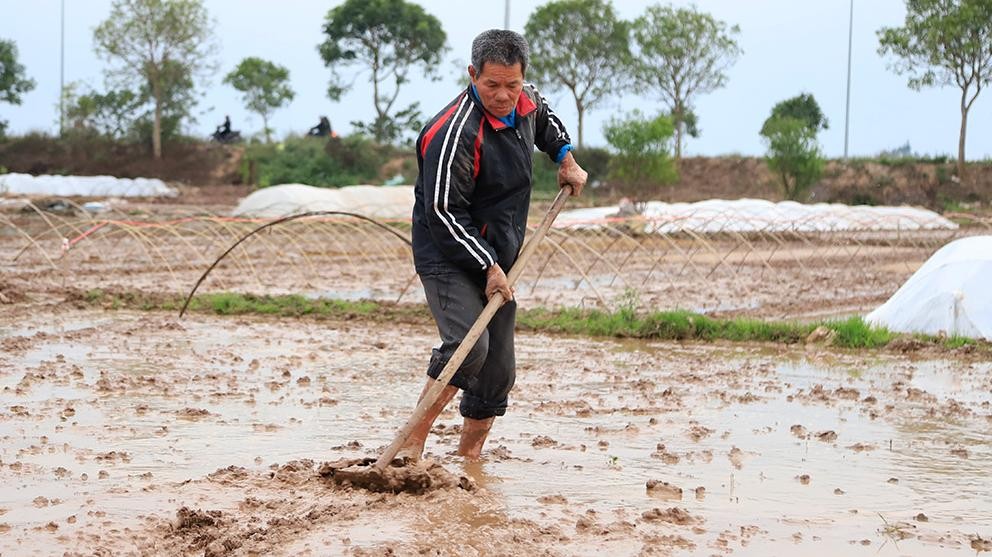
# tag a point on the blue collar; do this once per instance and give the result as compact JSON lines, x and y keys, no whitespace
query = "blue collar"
{"x":510,"y":119}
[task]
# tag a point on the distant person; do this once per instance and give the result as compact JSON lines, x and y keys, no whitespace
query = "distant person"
{"x":224,"y":130}
{"x":322,"y":129}
{"x":224,"y":133}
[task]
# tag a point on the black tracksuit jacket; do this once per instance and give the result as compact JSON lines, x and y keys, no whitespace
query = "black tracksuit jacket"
{"x":473,"y":188}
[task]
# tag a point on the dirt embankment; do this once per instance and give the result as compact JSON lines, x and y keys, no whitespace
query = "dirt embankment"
{"x":196,"y":164}
{"x":857,"y":182}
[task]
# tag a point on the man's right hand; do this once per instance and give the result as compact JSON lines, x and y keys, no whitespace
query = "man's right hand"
{"x":496,"y":282}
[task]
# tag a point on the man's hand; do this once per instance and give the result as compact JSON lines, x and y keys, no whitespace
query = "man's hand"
{"x":572,"y":174}
{"x":496,"y":282}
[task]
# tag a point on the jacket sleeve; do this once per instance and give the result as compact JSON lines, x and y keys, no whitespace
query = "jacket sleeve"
{"x":449,"y":184}
{"x":550,"y":136}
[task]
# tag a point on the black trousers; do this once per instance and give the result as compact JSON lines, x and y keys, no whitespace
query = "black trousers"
{"x":486,"y":376}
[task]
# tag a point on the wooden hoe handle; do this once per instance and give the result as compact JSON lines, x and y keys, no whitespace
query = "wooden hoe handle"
{"x":495,"y":302}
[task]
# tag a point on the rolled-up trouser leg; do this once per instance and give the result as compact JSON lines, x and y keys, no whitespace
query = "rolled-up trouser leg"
{"x":487,"y":374}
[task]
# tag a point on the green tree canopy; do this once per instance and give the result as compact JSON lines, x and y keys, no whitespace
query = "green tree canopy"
{"x":944,"y":42}
{"x":265,"y":87}
{"x":581,"y":46}
{"x":642,"y":144}
{"x":801,"y":107}
{"x":390,"y":38}
{"x":126,"y":114}
{"x":111,"y":114}
{"x":682,"y":53}
{"x":793,"y":155}
{"x":157,"y":43}
{"x":13,"y":81}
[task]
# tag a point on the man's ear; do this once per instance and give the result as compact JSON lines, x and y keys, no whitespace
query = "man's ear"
{"x":471,"y":72}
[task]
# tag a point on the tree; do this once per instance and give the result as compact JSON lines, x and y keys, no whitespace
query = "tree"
{"x":682,"y":53}
{"x":801,"y":107}
{"x":125,"y":114}
{"x":641,"y":143}
{"x":157,"y":43}
{"x":388,"y":37}
{"x":265,"y":86}
{"x":581,"y":46}
{"x":111,"y":114}
{"x":793,"y":155}
{"x":944,"y":42}
{"x":13,"y":82}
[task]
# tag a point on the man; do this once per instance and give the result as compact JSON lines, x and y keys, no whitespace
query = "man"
{"x":322,"y":129}
{"x":469,"y":219}
{"x":225,"y":129}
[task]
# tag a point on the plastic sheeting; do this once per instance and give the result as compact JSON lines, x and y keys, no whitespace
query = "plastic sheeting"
{"x":382,"y":202}
{"x":951,"y":294}
{"x":758,"y":215}
{"x":84,"y":186}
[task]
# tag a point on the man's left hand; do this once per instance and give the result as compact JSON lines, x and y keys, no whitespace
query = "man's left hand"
{"x":571,"y":173}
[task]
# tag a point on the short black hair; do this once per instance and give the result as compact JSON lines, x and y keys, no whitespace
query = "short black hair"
{"x":500,"y":46}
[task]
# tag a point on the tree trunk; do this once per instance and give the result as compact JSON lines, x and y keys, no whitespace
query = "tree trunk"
{"x":582,"y":113}
{"x":961,"y":137}
{"x":157,"y":121}
{"x":265,"y":126}
{"x":677,"y":117}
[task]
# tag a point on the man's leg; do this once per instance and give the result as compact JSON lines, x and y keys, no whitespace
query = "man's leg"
{"x":414,"y":446}
{"x":488,"y":397}
{"x":455,"y":302}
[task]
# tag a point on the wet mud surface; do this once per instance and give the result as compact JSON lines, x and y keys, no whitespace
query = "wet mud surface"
{"x":133,"y":433}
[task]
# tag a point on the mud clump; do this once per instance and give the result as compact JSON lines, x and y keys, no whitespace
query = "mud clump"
{"x":980,"y":544}
{"x":827,"y":436}
{"x":187,"y":519}
{"x":193,"y":413}
{"x":674,"y":515}
{"x":543,"y":442}
{"x":10,"y":294}
{"x":822,"y":335}
{"x":399,"y":477}
{"x":663,"y":489}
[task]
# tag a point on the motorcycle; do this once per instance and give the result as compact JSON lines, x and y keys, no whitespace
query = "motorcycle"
{"x":231,"y":136}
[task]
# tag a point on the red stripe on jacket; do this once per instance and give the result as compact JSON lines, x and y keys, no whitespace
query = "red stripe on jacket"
{"x":478,"y":149}
{"x":429,"y":136}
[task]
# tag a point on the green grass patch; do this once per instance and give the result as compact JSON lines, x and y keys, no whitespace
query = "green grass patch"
{"x":685,"y":325}
{"x":855,"y":333}
{"x":625,"y":322}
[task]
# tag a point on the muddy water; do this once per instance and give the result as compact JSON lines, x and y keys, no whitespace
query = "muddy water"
{"x":112,"y":421}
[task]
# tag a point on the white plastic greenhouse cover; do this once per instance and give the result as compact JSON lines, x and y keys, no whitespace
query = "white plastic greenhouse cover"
{"x":382,"y":202}
{"x":951,"y":293}
{"x":88,"y":186}
{"x":759,"y":215}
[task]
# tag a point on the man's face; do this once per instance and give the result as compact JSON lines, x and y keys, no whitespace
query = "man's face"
{"x":499,"y":86}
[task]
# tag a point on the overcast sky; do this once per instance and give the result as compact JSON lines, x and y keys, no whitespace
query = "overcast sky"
{"x":789,"y":47}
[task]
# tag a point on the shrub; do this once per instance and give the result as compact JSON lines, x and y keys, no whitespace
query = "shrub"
{"x":793,"y":155}
{"x":642,"y":159}
{"x":306,"y":160}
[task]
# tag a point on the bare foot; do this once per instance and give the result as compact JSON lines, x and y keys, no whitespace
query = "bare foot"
{"x":474,"y":433}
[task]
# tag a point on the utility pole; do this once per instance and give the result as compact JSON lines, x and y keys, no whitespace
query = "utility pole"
{"x":847,"y":109}
{"x":506,"y":16}
{"x":62,"y":75}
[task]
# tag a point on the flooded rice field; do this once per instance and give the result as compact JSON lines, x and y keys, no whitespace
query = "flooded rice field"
{"x":135,"y":433}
